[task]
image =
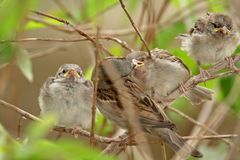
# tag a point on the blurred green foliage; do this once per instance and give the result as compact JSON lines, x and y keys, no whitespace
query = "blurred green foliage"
{"x":36,"y":147}
{"x":12,"y":13}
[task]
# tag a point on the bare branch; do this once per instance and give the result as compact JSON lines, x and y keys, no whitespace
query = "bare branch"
{"x":80,"y":132}
{"x":110,"y":38}
{"x":213,"y":73}
{"x":65,"y":9}
{"x":95,"y":84}
{"x":135,"y":28}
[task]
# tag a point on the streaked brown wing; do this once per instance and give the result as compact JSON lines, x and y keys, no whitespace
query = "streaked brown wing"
{"x":150,"y":114}
{"x":163,"y":54}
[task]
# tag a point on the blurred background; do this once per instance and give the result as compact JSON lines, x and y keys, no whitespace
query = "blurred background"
{"x":40,"y":45}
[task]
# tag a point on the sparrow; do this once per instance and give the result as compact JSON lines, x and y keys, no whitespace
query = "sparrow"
{"x":213,"y":38}
{"x":162,"y":74}
{"x":116,"y":92}
{"x":68,"y":95}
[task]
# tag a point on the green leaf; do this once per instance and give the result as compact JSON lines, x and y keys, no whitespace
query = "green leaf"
{"x":214,"y":152}
{"x":88,"y":73}
{"x":6,"y":52}
{"x":226,"y":84}
{"x":99,"y":122}
{"x":24,"y":63}
{"x":39,"y":129}
{"x":11,"y":14}
{"x":34,"y":25}
{"x":165,"y":37}
{"x":217,"y":6}
{"x":116,"y":50}
{"x":62,"y":149}
{"x":8,"y":145}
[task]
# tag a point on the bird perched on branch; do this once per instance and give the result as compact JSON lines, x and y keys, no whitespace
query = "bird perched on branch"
{"x":125,"y":103}
{"x":68,"y":95}
{"x":162,"y":74}
{"x":213,"y":38}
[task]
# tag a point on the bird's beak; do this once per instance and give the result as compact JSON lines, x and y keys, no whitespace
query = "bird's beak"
{"x":71,"y":73}
{"x":137,"y":63}
{"x":223,"y":30}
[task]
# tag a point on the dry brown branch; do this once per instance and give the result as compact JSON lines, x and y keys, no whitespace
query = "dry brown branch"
{"x":122,"y":32}
{"x":79,"y":31}
{"x":193,"y":81}
{"x":123,"y":44}
{"x":177,"y":16}
{"x":101,"y":139}
{"x":236,"y":142}
{"x":188,"y":85}
{"x":141,"y":18}
{"x":102,"y":12}
{"x":80,"y":132}
{"x":19,"y":127}
{"x":212,"y":136}
{"x":68,"y":13}
{"x":164,"y":153}
{"x":135,"y":28}
{"x":95,"y":84}
{"x":125,"y":101}
{"x":41,"y":53}
{"x":213,"y":73}
{"x":82,"y":33}
{"x":53,"y":26}
{"x":151,"y":32}
{"x":19,"y":111}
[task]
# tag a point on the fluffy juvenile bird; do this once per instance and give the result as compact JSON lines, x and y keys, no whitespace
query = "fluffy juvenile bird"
{"x":213,"y":38}
{"x":68,"y":95}
{"x":117,"y":92}
{"x":163,"y":73}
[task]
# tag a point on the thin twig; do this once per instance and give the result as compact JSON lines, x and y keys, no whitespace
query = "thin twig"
{"x":65,"y":10}
{"x":100,"y":139}
{"x":102,"y":12}
{"x":79,"y":31}
{"x":196,"y":123}
{"x":19,"y":111}
{"x":41,"y":53}
{"x":164,"y":153}
{"x":95,"y":84}
{"x":114,"y":39}
{"x":141,"y":18}
{"x":82,"y":33}
{"x":19,"y":127}
{"x":57,"y":128}
{"x":213,"y":73}
{"x":135,"y":28}
{"x":128,"y":31}
{"x":152,"y":31}
{"x":212,"y":136}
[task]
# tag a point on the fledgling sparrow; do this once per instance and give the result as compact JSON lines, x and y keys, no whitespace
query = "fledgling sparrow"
{"x":163,"y":73}
{"x":69,"y":96}
{"x":213,"y":38}
{"x":113,"y":100}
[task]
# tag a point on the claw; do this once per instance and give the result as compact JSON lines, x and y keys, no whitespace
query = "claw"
{"x":182,"y":89}
{"x":75,"y":131}
{"x":231,"y":65}
{"x":204,"y":74}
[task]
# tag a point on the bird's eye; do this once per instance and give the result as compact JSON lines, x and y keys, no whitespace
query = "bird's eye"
{"x":79,"y":73}
{"x":64,"y":71}
{"x":215,"y":25}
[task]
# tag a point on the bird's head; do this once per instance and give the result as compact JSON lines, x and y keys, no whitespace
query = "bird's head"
{"x":71,"y":72}
{"x":219,"y":25}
